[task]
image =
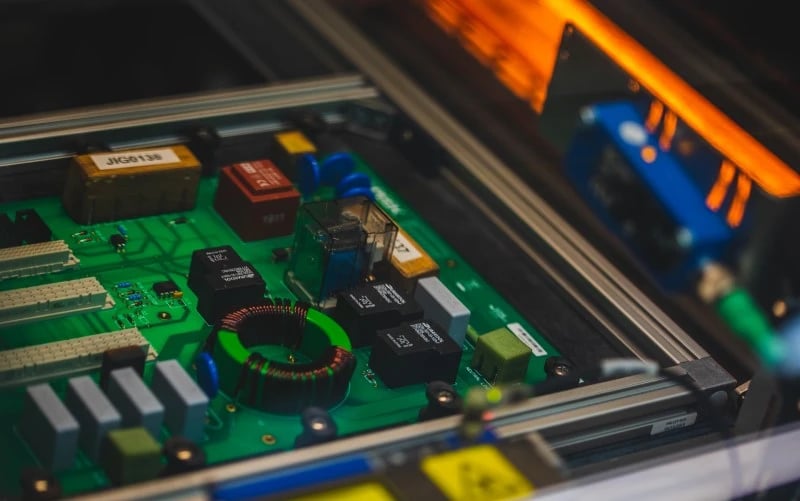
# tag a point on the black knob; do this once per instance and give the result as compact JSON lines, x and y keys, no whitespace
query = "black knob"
{"x":39,"y":485}
{"x":318,"y":427}
{"x":182,"y":455}
{"x":443,"y":400}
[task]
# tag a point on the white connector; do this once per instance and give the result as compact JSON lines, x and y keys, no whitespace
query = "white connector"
{"x":36,"y":259}
{"x":21,"y":366}
{"x":54,"y":300}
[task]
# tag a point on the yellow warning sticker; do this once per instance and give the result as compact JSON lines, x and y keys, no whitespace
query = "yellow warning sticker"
{"x":476,"y":473}
{"x":368,"y":491}
{"x":295,"y":142}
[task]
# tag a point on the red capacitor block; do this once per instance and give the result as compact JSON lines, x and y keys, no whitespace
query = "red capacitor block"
{"x":256,"y":200}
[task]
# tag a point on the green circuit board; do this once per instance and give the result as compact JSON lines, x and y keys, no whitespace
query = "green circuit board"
{"x":159,"y":248}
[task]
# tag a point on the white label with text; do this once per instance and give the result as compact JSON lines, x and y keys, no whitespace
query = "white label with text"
{"x":527,"y":339}
{"x":161,"y":156}
{"x":404,"y":251}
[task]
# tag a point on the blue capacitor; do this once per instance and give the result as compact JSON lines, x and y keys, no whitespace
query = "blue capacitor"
{"x":123,"y":285}
{"x":335,"y":167}
{"x":359,"y":191}
{"x":308,"y":174}
{"x":134,"y":297}
{"x":122,"y":230}
{"x":351,"y":181}
{"x":207,"y":374}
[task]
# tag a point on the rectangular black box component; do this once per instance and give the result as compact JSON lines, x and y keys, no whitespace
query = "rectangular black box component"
{"x":224,"y":290}
{"x":414,"y":353}
{"x":365,"y":309}
{"x":206,"y":261}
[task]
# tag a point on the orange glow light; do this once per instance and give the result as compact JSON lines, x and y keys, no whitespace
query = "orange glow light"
{"x":530,"y":33}
{"x":724,"y":179}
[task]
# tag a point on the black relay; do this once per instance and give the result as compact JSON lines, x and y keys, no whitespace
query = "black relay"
{"x":366,"y":309}
{"x":205,"y":261}
{"x":223,"y":282}
{"x":413,"y":353}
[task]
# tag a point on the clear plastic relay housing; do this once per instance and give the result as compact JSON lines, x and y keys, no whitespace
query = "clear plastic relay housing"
{"x":336,"y":246}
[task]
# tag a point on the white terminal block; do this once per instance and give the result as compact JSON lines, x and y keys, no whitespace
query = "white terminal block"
{"x":18,"y":306}
{"x":442,"y":307}
{"x":36,"y":259}
{"x":72,"y":356}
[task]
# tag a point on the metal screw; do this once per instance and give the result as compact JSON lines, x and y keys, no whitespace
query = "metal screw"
{"x":561,"y":369}
{"x":318,"y":424}
{"x":444,"y":397}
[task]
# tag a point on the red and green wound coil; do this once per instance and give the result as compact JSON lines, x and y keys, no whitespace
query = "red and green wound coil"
{"x":264,"y":383}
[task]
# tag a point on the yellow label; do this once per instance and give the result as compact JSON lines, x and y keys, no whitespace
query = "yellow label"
{"x":370,"y":491}
{"x":476,"y":473}
{"x":295,"y":142}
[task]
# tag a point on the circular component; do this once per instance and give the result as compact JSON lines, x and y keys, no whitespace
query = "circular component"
{"x":335,"y":167}
{"x":268,"y":439}
{"x":38,"y":484}
{"x":318,"y":427}
{"x":443,"y":400}
{"x":557,"y":367}
{"x":164,"y":315}
{"x":207,"y":374}
{"x":230,"y":408}
{"x":353,"y":180}
{"x":308,"y":174}
{"x":182,"y":455}
{"x":358,"y":192}
{"x":249,"y":347}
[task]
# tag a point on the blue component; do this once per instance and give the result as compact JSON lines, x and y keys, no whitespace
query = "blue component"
{"x":309,"y":475}
{"x":335,"y":167}
{"x":134,"y":297}
{"x":343,"y":270}
{"x":122,"y":231}
{"x":351,"y":181}
{"x":359,"y":192}
{"x":645,"y":194}
{"x":308,"y":174}
{"x":123,"y":285}
{"x":207,"y":374}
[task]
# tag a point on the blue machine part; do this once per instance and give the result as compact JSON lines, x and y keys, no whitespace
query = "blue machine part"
{"x":644,"y":194}
{"x":335,"y":167}
{"x":308,"y":174}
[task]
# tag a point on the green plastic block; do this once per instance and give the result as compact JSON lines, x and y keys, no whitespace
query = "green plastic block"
{"x":501,"y":357}
{"x":131,"y":455}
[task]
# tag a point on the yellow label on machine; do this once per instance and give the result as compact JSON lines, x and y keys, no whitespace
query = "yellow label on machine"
{"x":369,"y":491}
{"x":476,"y":473}
{"x":295,"y":142}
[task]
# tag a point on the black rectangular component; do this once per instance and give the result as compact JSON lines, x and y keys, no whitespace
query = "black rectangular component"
{"x":228,"y":288}
{"x":118,"y":358}
{"x":165,"y":288}
{"x":414,"y":353}
{"x":206,"y":261}
{"x":280,"y":254}
{"x":8,"y":233}
{"x":365,"y":309}
{"x":31,"y":228}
